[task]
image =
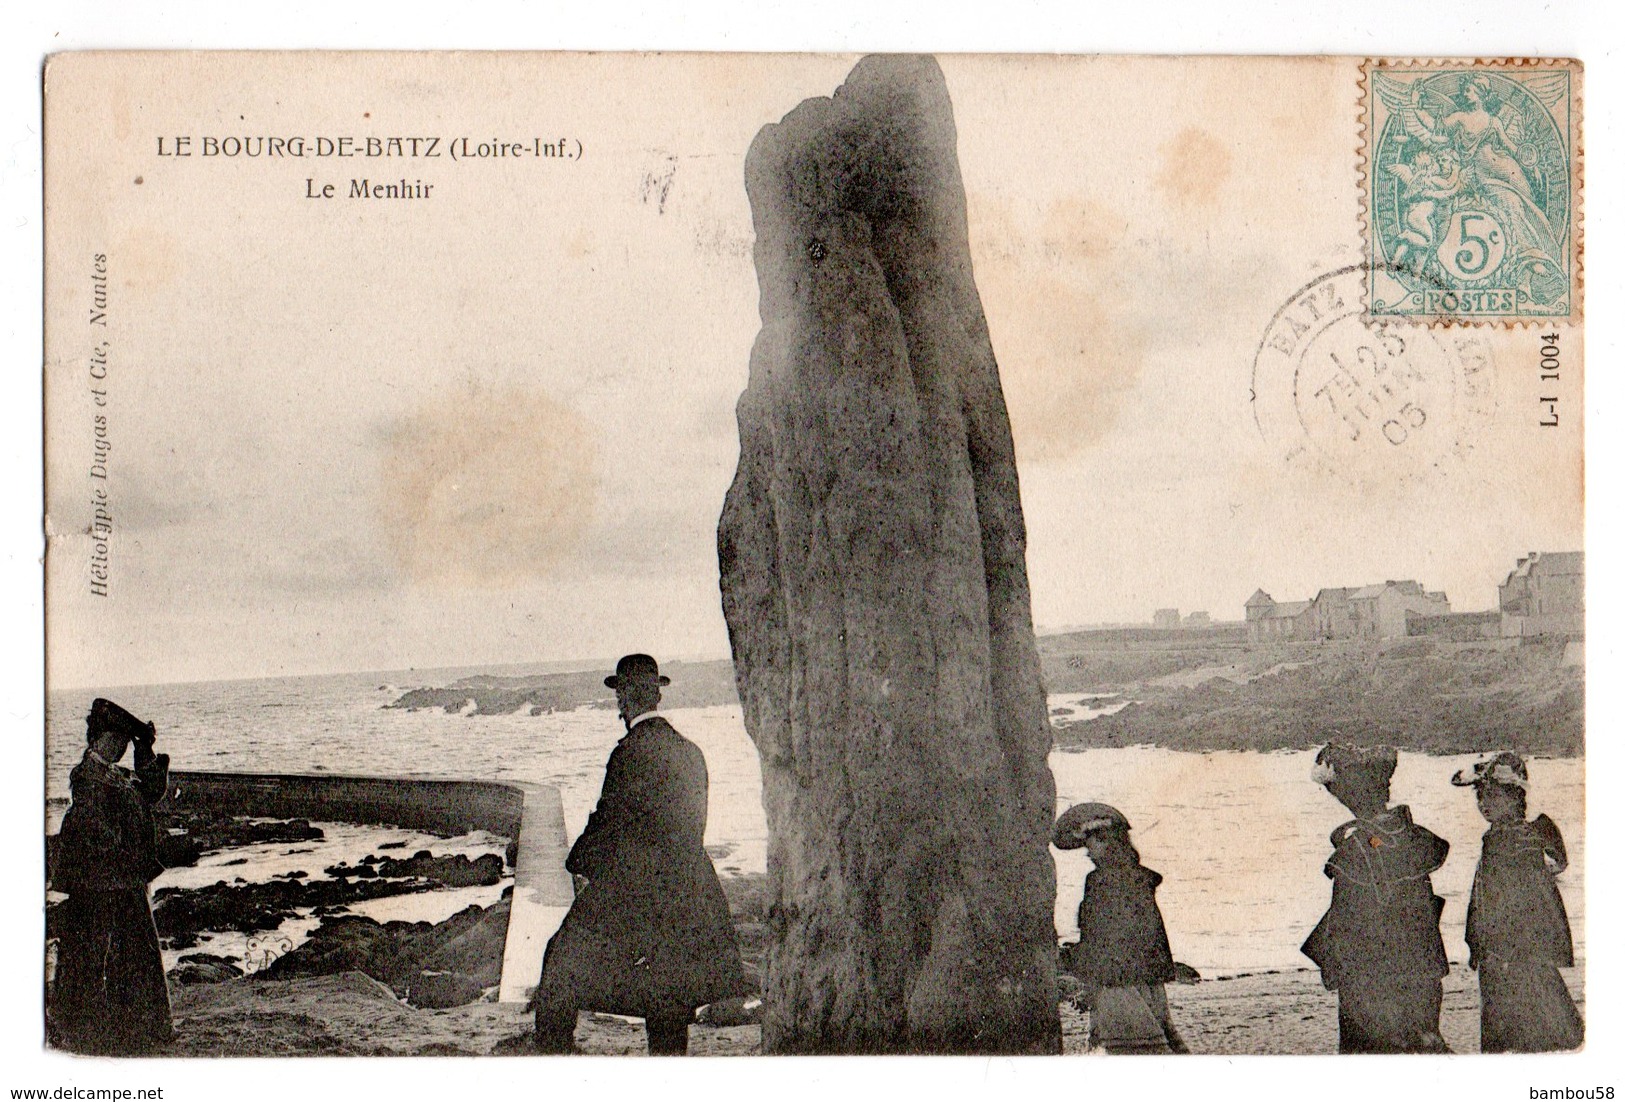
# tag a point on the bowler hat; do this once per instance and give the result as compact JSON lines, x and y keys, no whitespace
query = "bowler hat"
{"x":636,"y":667}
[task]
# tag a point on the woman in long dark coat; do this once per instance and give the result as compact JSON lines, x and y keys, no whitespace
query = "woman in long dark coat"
{"x":1517,"y":928}
{"x":1378,"y":945}
{"x":109,"y":994}
{"x":649,"y":935}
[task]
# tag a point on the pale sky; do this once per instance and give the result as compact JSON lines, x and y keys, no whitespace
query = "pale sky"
{"x":496,"y":425}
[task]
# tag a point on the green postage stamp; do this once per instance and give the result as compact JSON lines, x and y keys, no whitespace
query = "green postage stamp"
{"x":1471,"y":190}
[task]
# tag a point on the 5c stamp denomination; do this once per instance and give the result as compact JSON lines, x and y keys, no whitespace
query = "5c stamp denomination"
{"x":1470,"y":191}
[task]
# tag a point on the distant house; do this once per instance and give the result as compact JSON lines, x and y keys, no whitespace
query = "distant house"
{"x":1166,"y":619}
{"x":1270,"y":621}
{"x":1333,"y":617}
{"x":1258,"y":604}
{"x":1380,"y":611}
{"x":1545,"y":595}
{"x":1373,"y":611}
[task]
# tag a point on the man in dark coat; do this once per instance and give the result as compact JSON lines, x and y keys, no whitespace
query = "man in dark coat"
{"x":1378,"y":945}
{"x":109,"y":994}
{"x":649,"y":935}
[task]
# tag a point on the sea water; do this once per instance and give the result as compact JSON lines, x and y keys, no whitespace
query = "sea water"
{"x":1241,"y":838}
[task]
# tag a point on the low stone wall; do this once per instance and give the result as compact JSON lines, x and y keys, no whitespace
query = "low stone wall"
{"x":1455,"y":625}
{"x":439,"y":806}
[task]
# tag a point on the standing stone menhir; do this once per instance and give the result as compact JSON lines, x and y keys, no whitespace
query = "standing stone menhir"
{"x":874,"y":581}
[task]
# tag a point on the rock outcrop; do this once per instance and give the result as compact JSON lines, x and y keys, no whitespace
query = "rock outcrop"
{"x":694,"y":685}
{"x":1414,"y":695}
{"x":455,"y":870}
{"x":431,"y":965}
{"x":183,"y":914}
{"x":873,"y":571}
{"x":188,"y":833}
{"x":347,"y":1014}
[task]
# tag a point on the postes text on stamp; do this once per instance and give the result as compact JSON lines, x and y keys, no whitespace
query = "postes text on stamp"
{"x":1470,"y":188}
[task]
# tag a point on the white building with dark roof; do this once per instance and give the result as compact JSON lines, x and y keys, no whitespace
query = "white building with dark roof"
{"x":1374,"y":612}
{"x":1545,"y":595}
{"x":1381,"y":611}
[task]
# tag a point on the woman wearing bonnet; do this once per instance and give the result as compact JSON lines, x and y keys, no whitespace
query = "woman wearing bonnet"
{"x":1517,"y":927}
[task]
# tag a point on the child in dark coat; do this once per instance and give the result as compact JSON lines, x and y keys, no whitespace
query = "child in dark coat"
{"x":1378,"y":945}
{"x":1517,"y":927}
{"x":1121,"y":955}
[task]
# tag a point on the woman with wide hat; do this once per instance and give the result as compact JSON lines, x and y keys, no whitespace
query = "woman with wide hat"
{"x":1121,"y":957}
{"x":109,"y":994}
{"x":1517,"y":928}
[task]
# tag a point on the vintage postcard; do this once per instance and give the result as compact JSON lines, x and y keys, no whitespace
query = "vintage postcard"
{"x":811,"y":554}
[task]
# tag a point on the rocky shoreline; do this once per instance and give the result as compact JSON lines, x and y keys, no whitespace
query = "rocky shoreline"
{"x":432,"y":965}
{"x":183,"y":915}
{"x":1415,"y":694}
{"x":363,"y":987}
{"x":428,"y":965}
{"x":447,"y":963}
{"x":1210,"y":691}
{"x":454,"y":962}
{"x":694,"y":685}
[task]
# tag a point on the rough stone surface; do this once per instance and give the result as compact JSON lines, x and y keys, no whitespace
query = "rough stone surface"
{"x":183,"y":914}
{"x":444,"y":964}
{"x":204,"y":968}
{"x":872,"y":553}
{"x":340,"y":1015}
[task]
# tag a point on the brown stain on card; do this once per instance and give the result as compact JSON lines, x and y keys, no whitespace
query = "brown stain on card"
{"x":1066,"y":364}
{"x":1194,"y":168}
{"x":487,"y":487}
{"x":1067,"y":360}
{"x":1080,"y":231}
{"x":146,"y":258}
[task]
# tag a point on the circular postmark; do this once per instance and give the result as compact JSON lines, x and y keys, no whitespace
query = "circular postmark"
{"x":1371,"y":401}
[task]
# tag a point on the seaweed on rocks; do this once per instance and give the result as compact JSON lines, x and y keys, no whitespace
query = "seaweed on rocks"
{"x":182,"y":914}
{"x":453,"y":870}
{"x":185,"y":834}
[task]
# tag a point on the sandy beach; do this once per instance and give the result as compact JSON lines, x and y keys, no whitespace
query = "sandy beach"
{"x":1284,"y":1011}
{"x":353,"y":1015}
